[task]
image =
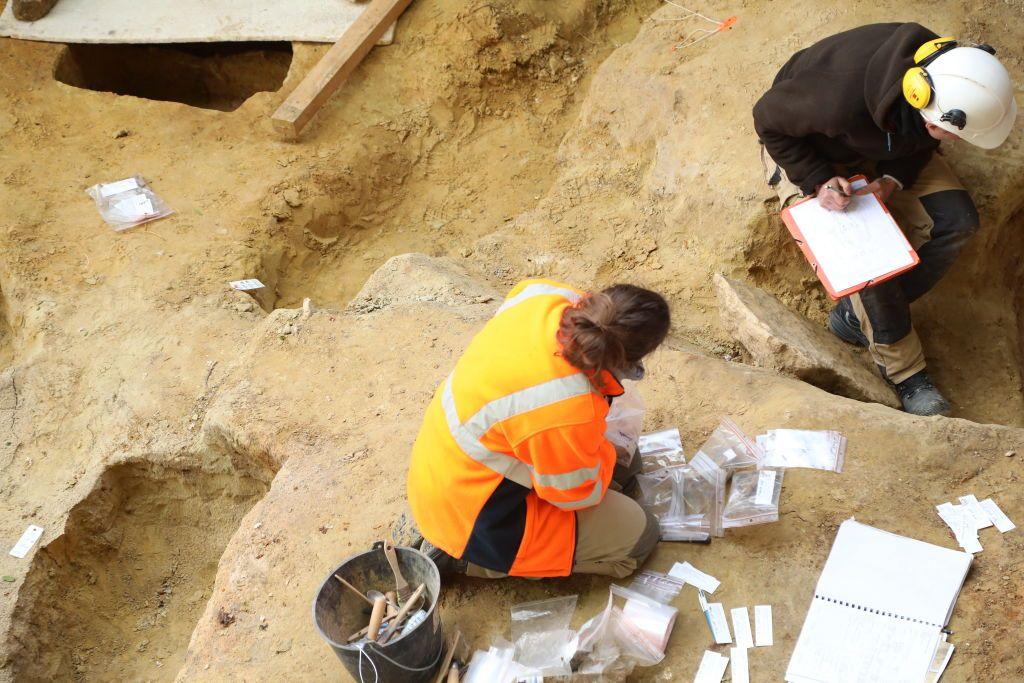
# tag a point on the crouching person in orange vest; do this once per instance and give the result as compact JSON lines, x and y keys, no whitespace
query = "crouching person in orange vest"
{"x":511,"y":474}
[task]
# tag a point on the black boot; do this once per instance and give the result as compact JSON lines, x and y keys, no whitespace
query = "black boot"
{"x":920,"y":397}
{"x":447,"y":565}
{"x":843,"y":323}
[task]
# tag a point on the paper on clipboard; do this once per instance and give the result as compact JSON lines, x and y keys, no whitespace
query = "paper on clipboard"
{"x":854,"y":248}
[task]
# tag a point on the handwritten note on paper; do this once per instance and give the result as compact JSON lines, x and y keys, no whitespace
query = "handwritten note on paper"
{"x":763,"y":625}
{"x":27,"y":540}
{"x":853,"y":246}
{"x":997,"y":516}
{"x":740,"y":667}
{"x":684,"y":571}
{"x":872,"y":646}
{"x":712,"y":668}
{"x":245,"y":285}
{"x":765,"y":487}
{"x":973,"y":508}
{"x":719,"y":626}
{"x":117,"y":187}
{"x":741,"y":626}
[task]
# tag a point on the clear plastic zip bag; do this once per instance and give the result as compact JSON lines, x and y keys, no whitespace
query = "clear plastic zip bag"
{"x":126,"y":203}
{"x":686,"y":502}
{"x":624,"y":635}
{"x":729,"y":448}
{"x":625,"y":421}
{"x":657,"y":586}
{"x":753,"y":498}
{"x":544,"y":643}
{"x":660,"y":449}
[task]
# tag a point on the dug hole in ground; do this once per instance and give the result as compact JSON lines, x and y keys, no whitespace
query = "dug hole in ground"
{"x":200,"y":458}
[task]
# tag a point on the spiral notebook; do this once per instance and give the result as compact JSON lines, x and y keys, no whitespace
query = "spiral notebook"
{"x":878,"y":610}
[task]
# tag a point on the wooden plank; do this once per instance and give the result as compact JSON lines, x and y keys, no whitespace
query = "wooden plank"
{"x":335,"y":67}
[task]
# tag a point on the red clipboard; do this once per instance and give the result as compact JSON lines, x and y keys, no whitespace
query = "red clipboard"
{"x":794,"y":230}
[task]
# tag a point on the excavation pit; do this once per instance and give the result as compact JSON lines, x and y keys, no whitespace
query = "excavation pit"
{"x":117,"y":595}
{"x":218,"y":76}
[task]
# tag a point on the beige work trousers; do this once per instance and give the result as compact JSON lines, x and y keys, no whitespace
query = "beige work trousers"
{"x":613,"y":538}
{"x":904,"y":357}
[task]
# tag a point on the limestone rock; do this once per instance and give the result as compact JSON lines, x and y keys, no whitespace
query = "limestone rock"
{"x":415,"y":278}
{"x":784,"y":341}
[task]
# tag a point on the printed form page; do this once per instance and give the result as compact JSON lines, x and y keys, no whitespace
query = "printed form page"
{"x":852,"y":246}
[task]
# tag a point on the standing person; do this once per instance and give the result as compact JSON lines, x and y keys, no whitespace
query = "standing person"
{"x":511,"y":473}
{"x":878,"y":100}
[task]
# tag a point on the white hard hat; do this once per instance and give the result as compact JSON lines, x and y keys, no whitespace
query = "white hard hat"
{"x":975,"y":82}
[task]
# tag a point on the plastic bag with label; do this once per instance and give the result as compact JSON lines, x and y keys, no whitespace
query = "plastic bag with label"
{"x":686,"y":501}
{"x":753,"y":498}
{"x":127,"y":203}
{"x":623,"y":636}
{"x":657,"y":586}
{"x":704,"y":493}
{"x":729,"y":448}
{"x":660,"y":449}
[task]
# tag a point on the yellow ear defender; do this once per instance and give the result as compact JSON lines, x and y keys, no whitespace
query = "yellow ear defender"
{"x":917,"y":84}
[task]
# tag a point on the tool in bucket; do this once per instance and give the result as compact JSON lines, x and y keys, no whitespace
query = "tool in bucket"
{"x":401,"y":585}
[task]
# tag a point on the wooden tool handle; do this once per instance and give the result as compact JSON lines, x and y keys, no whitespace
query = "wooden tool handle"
{"x":352,"y":588}
{"x":453,"y":674}
{"x":400,"y":582}
{"x":402,"y":613}
{"x":376,"y":616}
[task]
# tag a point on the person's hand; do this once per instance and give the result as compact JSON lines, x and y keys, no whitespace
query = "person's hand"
{"x":834,"y":195}
{"x":881,"y":188}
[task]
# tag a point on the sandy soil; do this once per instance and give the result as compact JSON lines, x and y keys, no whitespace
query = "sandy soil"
{"x":145,"y":409}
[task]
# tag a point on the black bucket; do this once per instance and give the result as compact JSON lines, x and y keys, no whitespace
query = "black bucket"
{"x":338,"y":613}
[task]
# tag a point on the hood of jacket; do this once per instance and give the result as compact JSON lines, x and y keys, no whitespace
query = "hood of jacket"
{"x":883,"y":80}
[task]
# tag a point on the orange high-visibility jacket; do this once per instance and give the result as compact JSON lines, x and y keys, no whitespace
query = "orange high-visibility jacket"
{"x":513,"y":443}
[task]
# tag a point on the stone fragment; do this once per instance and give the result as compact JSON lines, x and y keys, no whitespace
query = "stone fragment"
{"x":32,"y":10}
{"x":782,"y":340}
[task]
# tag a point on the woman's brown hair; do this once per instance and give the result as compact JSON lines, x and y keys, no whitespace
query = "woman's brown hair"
{"x":614,"y":328}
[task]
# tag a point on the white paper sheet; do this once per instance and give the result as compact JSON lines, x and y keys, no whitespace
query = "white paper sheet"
{"x":712,"y":668}
{"x":962,"y":524}
{"x":765,"y":637}
{"x":765,"y":487}
{"x":878,"y":570}
{"x":741,"y":626}
{"x":997,"y":516}
{"x":719,"y":626}
{"x":27,"y":540}
{"x":245,"y":285}
{"x":110,"y":189}
{"x":740,"y":672}
{"x":973,"y":507}
{"x":844,"y":645}
{"x":853,"y":246}
{"x":684,"y":571}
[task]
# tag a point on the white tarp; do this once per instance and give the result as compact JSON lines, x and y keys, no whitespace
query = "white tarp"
{"x":188,"y":21}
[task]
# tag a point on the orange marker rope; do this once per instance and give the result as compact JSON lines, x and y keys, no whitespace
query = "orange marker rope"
{"x":699,"y":34}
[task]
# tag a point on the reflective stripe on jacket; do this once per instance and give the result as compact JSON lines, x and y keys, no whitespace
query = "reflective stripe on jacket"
{"x":513,"y":443}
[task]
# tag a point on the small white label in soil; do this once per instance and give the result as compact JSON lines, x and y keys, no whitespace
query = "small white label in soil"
{"x":27,"y":540}
{"x":763,"y":626}
{"x":110,"y":189}
{"x":245,"y":285}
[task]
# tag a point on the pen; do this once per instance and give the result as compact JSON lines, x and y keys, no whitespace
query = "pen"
{"x":837,"y":191}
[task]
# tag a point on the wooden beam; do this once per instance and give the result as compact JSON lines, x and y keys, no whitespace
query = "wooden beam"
{"x":335,"y":67}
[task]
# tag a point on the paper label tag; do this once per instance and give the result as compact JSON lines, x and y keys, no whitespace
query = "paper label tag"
{"x":997,"y":516}
{"x":27,"y":540}
{"x":763,"y":625}
{"x":684,"y":571}
{"x":765,"y":487}
{"x":962,"y":524}
{"x":741,"y":626}
{"x":738,"y":662}
{"x":245,"y":285}
{"x":719,"y":626}
{"x":135,"y":206}
{"x":712,"y":668}
{"x":975,"y":510}
{"x":110,"y":189}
